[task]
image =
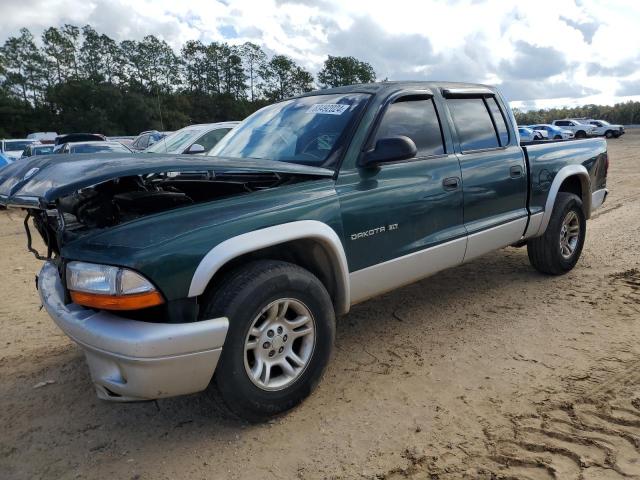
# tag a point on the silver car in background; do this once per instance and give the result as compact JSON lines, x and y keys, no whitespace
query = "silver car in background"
{"x":194,"y":139}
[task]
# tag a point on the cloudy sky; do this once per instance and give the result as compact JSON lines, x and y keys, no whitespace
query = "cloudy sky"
{"x":542,"y":53}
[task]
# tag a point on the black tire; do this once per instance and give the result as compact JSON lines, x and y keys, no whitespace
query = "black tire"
{"x":616,"y":134}
{"x":581,"y":134}
{"x":557,"y":137}
{"x":245,"y":293}
{"x":545,"y":252}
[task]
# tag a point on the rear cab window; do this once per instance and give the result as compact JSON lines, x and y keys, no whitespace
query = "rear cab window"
{"x":414,"y":117}
{"x":479,"y":122}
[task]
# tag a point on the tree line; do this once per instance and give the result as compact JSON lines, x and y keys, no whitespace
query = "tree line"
{"x":625,"y":113}
{"x":78,"y":79}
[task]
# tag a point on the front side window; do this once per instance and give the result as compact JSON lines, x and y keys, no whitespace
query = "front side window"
{"x":177,"y":142}
{"x":473,"y":124}
{"x":416,"y":119}
{"x":211,"y":139}
{"x":307,"y":130}
{"x":143,"y":142}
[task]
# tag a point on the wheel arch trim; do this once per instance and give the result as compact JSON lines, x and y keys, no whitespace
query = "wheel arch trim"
{"x":255,"y":240}
{"x":565,"y":172}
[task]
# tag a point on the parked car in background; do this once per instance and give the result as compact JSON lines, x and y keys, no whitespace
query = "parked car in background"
{"x":526,"y":134}
{"x":607,"y":129}
{"x":146,"y":139}
{"x":12,"y":149}
{"x":94,"y":147}
{"x":77,"y":137}
{"x":579,"y":129}
{"x":539,"y":134}
{"x":37,"y":149}
{"x":553,"y":132}
{"x":43,"y":137}
{"x":126,"y":140}
{"x":194,"y":139}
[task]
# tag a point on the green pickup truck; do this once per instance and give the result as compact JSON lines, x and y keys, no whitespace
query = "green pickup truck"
{"x":171,"y":271}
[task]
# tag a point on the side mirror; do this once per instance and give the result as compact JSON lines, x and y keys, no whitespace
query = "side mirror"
{"x":195,"y":148}
{"x":390,"y":149}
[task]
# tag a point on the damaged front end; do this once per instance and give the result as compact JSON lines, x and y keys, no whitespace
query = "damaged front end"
{"x":67,"y":199}
{"x":126,"y":199}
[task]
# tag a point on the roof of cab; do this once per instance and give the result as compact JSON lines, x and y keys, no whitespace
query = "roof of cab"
{"x":390,"y":87}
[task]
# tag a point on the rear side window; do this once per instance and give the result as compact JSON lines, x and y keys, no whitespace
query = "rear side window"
{"x":416,"y":119}
{"x":473,"y":123}
{"x":498,"y":118}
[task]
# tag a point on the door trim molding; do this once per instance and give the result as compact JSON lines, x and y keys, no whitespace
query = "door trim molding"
{"x":397,"y":272}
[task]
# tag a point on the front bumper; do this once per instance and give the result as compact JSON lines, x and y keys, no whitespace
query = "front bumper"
{"x":132,"y":360}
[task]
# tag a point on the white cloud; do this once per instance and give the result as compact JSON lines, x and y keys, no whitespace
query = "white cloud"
{"x":548,"y":52}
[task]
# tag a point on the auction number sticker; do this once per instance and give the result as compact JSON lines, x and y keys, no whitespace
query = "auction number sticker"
{"x":328,"y":108}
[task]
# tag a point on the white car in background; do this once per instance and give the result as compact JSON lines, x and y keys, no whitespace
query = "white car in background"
{"x":194,"y":139}
{"x":12,"y":149}
{"x":605,"y":128}
{"x":43,"y":137}
{"x":579,"y":129}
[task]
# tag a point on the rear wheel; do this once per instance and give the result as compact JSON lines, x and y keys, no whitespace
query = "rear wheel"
{"x":280,"y":338}
{"x":558,"y":250}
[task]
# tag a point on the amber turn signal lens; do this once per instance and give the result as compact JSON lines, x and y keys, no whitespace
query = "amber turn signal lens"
{"x":117,"y":302}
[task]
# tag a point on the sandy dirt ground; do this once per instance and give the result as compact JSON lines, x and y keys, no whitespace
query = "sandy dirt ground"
{"x":488,"y":371}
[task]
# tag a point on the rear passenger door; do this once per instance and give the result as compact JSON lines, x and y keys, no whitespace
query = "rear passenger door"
{"x":494,"y":174}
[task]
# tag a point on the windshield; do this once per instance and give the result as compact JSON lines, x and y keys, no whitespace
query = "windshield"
{"x":176,"y":142}
{"x":307,"y":130}
{"x":96,"y":147}
{"x":17,"y":146}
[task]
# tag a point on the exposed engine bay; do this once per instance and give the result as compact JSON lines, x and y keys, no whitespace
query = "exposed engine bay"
{"x":127,"y":198}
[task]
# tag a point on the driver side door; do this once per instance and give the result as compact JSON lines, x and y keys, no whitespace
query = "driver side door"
{"x":403,"y":220}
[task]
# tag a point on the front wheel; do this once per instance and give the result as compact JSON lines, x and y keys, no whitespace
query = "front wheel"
{"x":581,"y":134}
{"x":280,"y":338}
{"x":558,"y":250}
{"x":557,"y":137}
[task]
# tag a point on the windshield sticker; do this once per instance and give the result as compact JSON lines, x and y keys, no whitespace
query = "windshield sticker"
{"x":328,"y":108}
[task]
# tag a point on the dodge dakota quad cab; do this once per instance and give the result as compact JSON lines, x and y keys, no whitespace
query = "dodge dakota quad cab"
{"x":172,"y":272}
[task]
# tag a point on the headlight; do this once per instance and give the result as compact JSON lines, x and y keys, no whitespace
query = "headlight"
{"x":110,"y":288}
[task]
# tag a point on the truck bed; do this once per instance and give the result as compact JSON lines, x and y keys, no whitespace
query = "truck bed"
{"x":546,"y":158}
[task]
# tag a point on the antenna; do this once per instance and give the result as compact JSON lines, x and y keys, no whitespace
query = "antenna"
{"x":159,"y":107}
{"x":160,"y":112}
